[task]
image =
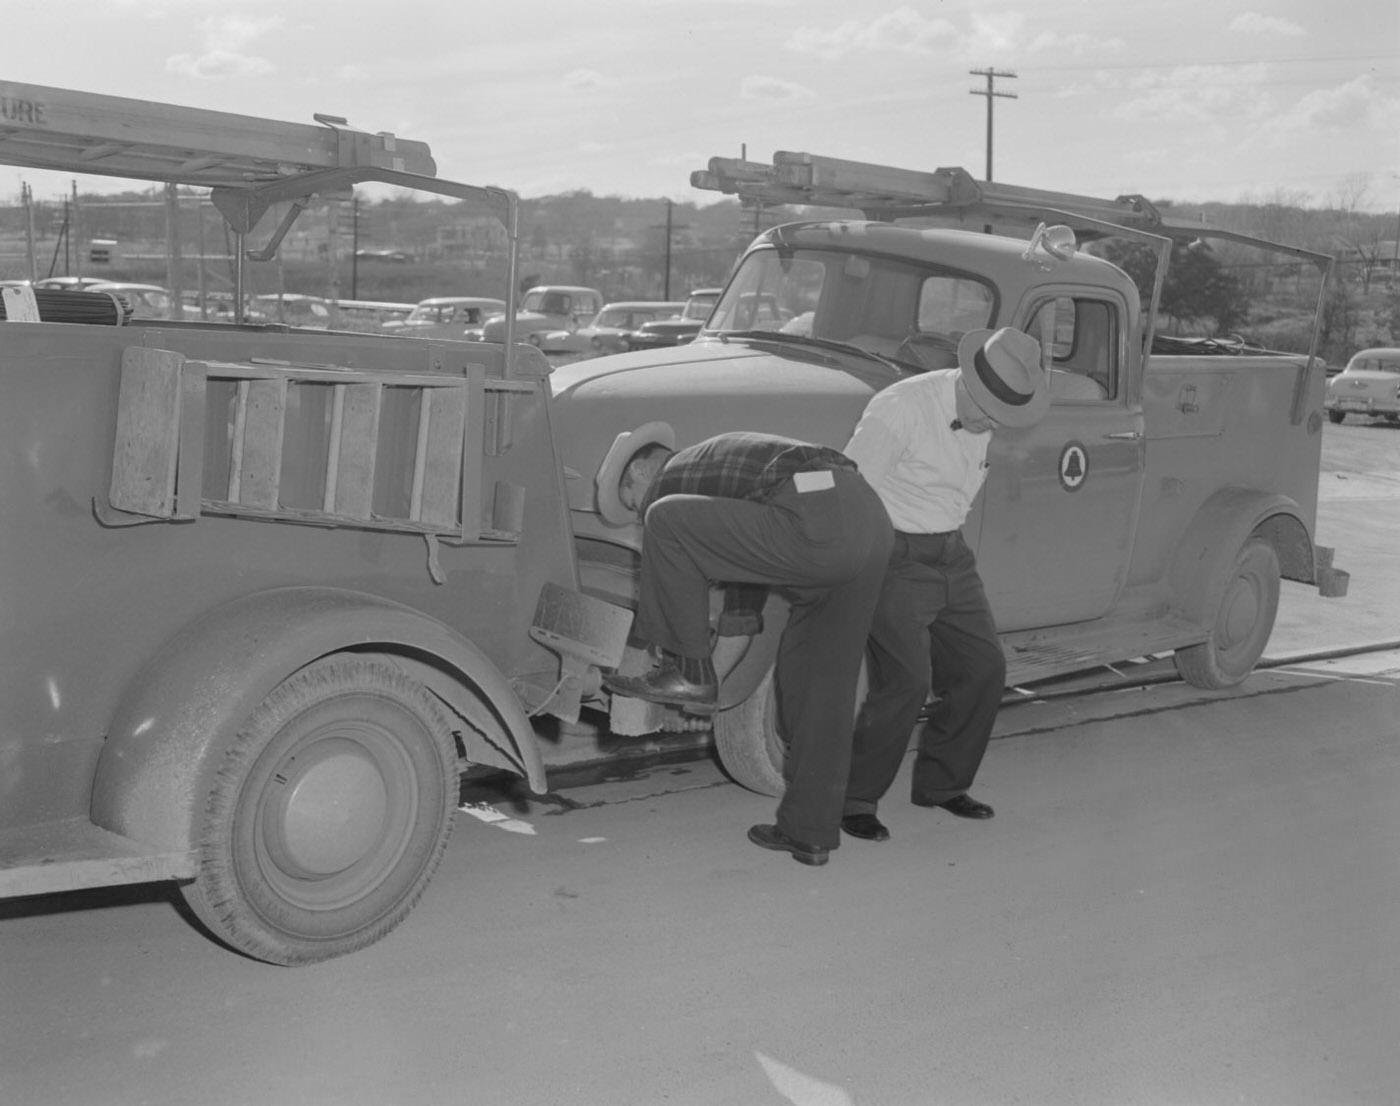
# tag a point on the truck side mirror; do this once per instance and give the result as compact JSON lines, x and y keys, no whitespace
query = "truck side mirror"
{"x":1057,"y":241}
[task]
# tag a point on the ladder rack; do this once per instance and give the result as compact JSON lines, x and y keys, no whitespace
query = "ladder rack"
{"x":247,"y":163}
{"x":67,"y":131}
{"x":886,"y":192}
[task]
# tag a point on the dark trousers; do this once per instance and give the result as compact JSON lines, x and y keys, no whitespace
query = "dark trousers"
{"x":933,"y":630}
{"x":827,"y":550}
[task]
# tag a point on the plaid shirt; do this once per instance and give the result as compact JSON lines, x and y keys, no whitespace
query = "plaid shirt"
{"x":740,"y":465}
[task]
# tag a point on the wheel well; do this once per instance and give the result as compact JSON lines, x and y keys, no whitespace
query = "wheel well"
{"x":166,"y":738}
{"x":608,"y":570}
{"x":1291,"y":542}
{"x":481,"y":735}
{"x":1214,"y":537}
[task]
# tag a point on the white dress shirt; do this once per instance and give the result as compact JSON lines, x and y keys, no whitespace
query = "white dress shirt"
{"x":926,"y":473}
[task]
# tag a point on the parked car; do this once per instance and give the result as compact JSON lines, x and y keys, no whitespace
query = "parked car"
{"x":445,"y":317}
{"x":1369,"y":385}
{"x":294,"y":309}
{"x":69,"y":283}
{"x":608,"y":331}
{"x":677,"y":331}
{"x":145,"y":301}
{"x":544,"y":308}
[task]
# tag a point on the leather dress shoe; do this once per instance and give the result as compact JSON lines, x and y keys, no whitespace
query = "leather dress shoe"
{"x":964,"y":806}
{"x":771,"y":837}
{"x":865,"y":826}
{"x":665,"y":684}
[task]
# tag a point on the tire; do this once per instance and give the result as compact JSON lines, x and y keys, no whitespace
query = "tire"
{"x":748,"y":743}
{"x":1242,"y":623}
{"x":328,"y":815}
{"x":1336,"y":416}
{"x":747,"y":739}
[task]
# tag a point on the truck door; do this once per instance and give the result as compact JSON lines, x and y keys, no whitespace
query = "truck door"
{"x":1059,"y":507}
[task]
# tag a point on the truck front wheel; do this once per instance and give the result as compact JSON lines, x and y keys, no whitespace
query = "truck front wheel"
{"x":1243,"y":621}
{"x":328,"y":815}
{"x":748,"y":742}
{"x":1336,"y":416}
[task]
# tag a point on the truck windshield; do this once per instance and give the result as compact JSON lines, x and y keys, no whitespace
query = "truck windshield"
{"x":894,"y":308}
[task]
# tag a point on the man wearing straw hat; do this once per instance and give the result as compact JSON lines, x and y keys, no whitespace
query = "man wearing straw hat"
{"x":922,"y":445}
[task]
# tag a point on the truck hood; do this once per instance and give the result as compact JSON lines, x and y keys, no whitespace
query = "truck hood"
{"x":704,"y":388}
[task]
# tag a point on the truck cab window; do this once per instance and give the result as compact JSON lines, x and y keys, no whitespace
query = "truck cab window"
{"x":1079,"y":337}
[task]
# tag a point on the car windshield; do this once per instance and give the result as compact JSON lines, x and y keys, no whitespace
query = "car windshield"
{"x":620,"y":317}
{"x":910,"y":312}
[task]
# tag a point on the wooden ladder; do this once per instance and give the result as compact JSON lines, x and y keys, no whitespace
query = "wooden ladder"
{"x":164,"y":410}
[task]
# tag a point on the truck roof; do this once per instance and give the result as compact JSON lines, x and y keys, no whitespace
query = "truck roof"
{"x":951,"y":247}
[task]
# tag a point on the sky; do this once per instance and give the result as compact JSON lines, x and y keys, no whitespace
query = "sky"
{"x":1189,"y":100}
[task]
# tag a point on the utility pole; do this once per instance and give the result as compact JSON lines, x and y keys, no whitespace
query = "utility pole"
{"x":27,"y":194}
{"x":989,"y":92}
{"x":354,"y":246}
{"x":669,"y":227}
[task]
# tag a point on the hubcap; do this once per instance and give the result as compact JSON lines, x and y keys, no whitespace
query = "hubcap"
{"x":328,"y":810}
{"x":1241,"y":613}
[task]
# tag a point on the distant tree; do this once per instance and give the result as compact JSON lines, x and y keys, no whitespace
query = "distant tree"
{"x":1197,"y":286}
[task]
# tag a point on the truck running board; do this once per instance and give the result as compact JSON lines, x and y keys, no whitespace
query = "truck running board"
{"x":74,"y":854}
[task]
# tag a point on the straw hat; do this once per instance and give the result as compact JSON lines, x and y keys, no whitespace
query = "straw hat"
{"x":1002,"y":373}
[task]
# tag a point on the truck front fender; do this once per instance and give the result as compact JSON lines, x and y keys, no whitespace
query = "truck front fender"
{"x":1211,"y":542}
{"x":179,"y":715}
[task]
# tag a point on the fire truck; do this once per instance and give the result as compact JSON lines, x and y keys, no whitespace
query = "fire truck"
{"x":1153,"y":512}
{"x":267,"y":591}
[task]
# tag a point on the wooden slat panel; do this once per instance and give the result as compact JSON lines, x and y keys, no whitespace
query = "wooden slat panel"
{"x":189,"y":476}
{"x":359,"y":442}
{"x":148,"y":432}
{"x":472,"y":455}
{"x":442,"y":471}
{"x":265,"y":420}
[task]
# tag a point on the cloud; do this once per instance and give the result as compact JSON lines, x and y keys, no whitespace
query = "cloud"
{"x":1076,"y":44}
{"x":1194,"y":93}
{"x":1252,"y":23}
{"x":587,"y":78}
{"x":225,"y":41}
{"x":216,"y":64}
{"x":1357,"y":105}
{"x":997,"y":33}
{"x":903,"y":30}
{"x":772,"y":88}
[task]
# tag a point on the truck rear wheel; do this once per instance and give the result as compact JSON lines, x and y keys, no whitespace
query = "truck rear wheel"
{"x":1242,"y":624}
{"x":328,"y":815}
{"x":1336,"y":416}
